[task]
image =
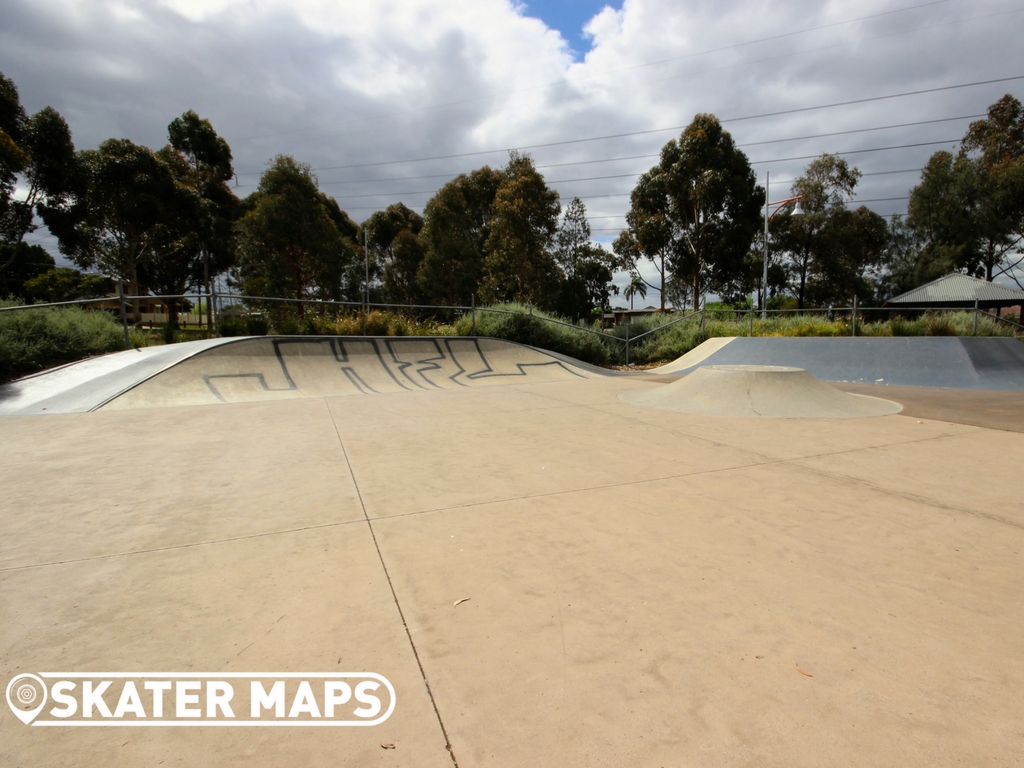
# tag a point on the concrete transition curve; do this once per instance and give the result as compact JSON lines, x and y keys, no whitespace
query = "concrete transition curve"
{"x":284,"y":367}
{"x":271,"y":368}
{"x":927,"y":361}
{"x":764,"y":391}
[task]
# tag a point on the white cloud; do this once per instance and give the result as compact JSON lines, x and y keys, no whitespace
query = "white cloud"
{"x":350,"y":83}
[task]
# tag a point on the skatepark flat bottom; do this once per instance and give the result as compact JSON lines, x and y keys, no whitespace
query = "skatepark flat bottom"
{"x":645,"y":588}
{"x":979,"y":407}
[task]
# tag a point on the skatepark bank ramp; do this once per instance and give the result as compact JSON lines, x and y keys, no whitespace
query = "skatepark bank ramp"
{"x":275,"y":368}
{"x":269,"y":368}
{"x":954,"y":362}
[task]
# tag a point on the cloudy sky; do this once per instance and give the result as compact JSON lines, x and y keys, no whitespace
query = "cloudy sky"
{"x":388,"y":100}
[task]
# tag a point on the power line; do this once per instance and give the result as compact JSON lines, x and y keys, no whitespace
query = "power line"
{"x":861,"y":130}
{"x":634,"y":175}
{"x":858,"y":151}
{"x":888,"y":173}
{"x":627,"y":134}
{"x":649,"y":156}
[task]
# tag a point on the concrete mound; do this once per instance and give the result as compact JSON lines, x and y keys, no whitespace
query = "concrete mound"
{"x":760,"y":391}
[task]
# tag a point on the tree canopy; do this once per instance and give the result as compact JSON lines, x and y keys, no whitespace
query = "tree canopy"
{"x":696,"y":212}
{"x":397,"y":252}
{"x":518,"y":264}
{"x":967,"y":214}
{"x":457,"y":225}
{"x":40,"y":150}
{"x":168,"y":221}
{"x":191,"y":249}
{"x":292,"y":237}
{"x":587,"y":268}
{"x":830,"y":250}
{"x":130,"y":203}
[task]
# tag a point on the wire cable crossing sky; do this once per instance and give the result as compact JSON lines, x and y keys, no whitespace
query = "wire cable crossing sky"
{"x":373,"y":95}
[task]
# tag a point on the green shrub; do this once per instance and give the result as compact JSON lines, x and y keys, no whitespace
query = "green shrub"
{"x":256,"y":325}
{"x":514,"y":322}
{"x":902,"y":327}
{"x":232,"y":325}
{"x":35,"y":339}
{"x":938,"y":325}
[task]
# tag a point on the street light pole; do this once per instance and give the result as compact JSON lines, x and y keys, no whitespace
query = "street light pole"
{"x":366,"y":283}
{"x":764,"y":279}
{"x":780,"y":204}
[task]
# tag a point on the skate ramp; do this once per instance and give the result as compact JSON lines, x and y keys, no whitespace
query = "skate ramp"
{"x":758,"y":391}
{"x":926,"y":361}
{"x":83,"y":385}
{"x":281,"y":368}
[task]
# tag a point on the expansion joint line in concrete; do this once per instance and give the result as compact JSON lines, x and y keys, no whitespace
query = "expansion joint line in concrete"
{"x":924,"y":500}
{"x":391,"y":586}
{"x":763,"y":461}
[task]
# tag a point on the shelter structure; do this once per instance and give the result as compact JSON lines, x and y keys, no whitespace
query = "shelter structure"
{"x":959,"y":291}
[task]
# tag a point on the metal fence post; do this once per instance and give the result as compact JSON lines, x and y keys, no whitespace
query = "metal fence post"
{"x":216,"y":310}
{"x":703,"y":318}
{"x":853,"y":323}
{"x":975,"y":318}
{"x":751,"y":321}
{"x":124,"y":314}
{"x":627,"y":343}
{"x":473,"y":305}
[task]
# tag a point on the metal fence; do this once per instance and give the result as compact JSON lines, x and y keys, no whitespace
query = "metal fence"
{"x":221,"y":304}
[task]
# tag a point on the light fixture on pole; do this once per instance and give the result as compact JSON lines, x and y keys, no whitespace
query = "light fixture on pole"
{"x":768,"y":215}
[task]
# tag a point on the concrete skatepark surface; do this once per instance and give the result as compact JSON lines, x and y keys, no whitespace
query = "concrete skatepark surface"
{"x":758,"y":391}
{"x":645,"y":587}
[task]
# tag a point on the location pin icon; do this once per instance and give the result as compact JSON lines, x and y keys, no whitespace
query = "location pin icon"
{"x":22,"y":692}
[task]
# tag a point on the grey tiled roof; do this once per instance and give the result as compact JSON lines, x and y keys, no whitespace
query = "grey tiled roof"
{"x":957,"y":289}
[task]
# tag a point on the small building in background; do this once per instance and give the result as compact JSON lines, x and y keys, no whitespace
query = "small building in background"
{"x":153,"y":311}
{"x":627,"y":316}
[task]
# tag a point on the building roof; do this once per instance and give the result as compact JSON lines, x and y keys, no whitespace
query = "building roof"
{"x":645,"y":311}
{"x":956,"y":290}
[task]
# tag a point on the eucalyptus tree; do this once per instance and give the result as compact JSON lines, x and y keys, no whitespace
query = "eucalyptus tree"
{"x":397,"y":251}
{"x":36,"y":150}
{"x":967,"y":212}
{"x":831,"y":252}
{"x":202,"y":161}
{"x":130,"y":199}
{"x":518,"y":263}
{"x":996,"y":144}
{"x":13,"y":158}
{"x":696,"y":212}
{"x":964,"y":214}
{"x":457,"y":225}
{"x":292,"y":237}
{"x":587,"y":268}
